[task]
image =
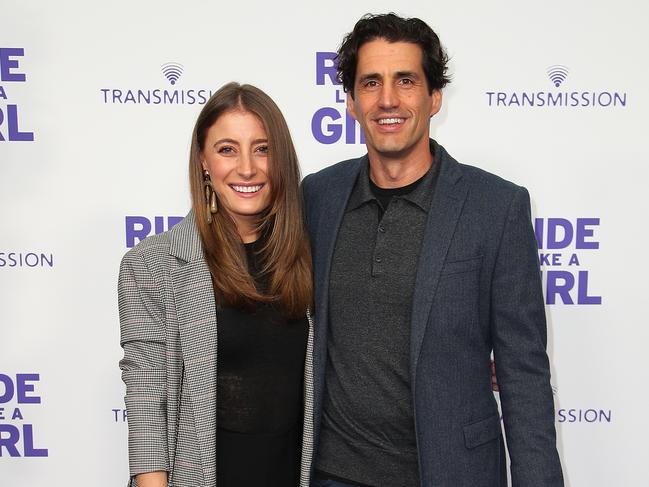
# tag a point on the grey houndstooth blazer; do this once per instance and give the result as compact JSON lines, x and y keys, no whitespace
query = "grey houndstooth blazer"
{"x":169,"y":336}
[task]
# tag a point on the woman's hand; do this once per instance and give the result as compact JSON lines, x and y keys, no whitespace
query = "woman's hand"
{"x":152,"y":479}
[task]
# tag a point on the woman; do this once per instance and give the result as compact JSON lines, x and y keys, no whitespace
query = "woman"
{"x":202,"y":414}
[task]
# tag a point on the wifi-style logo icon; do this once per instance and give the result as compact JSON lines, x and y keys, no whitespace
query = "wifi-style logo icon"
{"x":172,"y":71}
{"x":557,"y":74}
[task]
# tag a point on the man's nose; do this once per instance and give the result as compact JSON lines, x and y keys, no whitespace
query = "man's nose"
{"x":388,"y":97}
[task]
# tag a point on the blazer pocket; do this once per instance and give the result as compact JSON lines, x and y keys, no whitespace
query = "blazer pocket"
{"x":461,"y":266}
{"x":481,"y":432}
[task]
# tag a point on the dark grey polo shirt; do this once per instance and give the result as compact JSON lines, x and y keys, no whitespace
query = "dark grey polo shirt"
{"x":367,"y":432}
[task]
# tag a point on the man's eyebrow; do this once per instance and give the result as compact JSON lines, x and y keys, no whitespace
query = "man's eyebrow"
{"x":365,"y":77}
{"x":407,"y":74}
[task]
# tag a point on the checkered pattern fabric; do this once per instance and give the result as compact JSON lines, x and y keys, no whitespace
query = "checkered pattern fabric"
{"x":169,"y":335}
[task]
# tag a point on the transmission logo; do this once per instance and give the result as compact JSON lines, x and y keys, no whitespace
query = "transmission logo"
{"x":18,"y":396}
{"x":559,"y":97}
{"x":172,"y":71}
{"x":26,"y":259}
{"x":156,"y":95}
{"x":557,"y":74}
{"x":119,"y":415}
{"x":584,"y":415}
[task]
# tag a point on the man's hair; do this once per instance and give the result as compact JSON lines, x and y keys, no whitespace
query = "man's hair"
{"x":393,"y":28}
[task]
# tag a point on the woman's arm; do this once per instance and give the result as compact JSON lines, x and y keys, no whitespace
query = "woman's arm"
{"x":141,"y":312}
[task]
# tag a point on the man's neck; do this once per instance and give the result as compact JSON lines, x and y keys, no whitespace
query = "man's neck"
{"x":399,"y":171}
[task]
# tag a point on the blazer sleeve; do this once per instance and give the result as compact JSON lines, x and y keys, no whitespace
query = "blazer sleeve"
{"x":306,"y":189}
{"x":142,"y":327}
{"x":519,"y":335}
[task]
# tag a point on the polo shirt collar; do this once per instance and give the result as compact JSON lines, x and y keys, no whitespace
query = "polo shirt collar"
{"x":421,"y":196}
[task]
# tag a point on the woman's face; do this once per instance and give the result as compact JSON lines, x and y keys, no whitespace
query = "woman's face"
{"x":236,"y":157}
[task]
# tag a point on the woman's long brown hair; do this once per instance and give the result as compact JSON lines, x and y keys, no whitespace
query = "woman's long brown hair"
{"x":286,"y":255}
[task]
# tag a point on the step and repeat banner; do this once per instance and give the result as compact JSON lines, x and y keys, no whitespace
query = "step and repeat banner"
{"x":97,"y":104}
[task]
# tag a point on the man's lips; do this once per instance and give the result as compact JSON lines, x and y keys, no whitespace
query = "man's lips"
{"x":389,"y":124}
{"x":390,"y":120}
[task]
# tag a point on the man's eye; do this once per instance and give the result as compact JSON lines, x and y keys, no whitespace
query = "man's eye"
{"x":406,"y":81}
{"x":371,"y":83}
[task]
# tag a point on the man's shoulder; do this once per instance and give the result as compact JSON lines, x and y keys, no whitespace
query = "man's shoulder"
{"x":491,"y":195}
{"x":478,"y":179}
{"x":487,"y":193}
{"x":341,"y":169}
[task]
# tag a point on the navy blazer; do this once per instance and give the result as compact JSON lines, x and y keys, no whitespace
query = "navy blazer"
{"x":477,"y":289}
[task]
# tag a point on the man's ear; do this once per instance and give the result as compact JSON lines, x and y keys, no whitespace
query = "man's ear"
{"x":350,"y":106}
{"x":437,"y":102}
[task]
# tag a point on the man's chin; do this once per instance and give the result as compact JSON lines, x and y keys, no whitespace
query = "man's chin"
{"x":392,"y":150}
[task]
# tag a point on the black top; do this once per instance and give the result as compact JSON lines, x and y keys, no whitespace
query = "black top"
{"x":384,"y":195}
{"x":367,"y":431}
{"x":260,"y":372}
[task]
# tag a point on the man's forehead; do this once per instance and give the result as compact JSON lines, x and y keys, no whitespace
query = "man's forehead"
{"x":383,"y":56}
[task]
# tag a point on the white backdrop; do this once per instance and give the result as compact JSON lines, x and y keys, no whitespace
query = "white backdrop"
{"x":100,"y":153}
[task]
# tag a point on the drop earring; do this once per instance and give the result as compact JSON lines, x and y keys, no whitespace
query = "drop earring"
{"x":210,"y":196}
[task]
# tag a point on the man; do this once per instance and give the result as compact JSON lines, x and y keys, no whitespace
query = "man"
{"x":422,"y":267}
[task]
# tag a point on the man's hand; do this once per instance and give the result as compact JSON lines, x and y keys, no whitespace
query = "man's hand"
{"x":494,"y":380}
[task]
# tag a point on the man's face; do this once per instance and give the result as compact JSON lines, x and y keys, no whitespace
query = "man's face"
{"x":391,"y":100}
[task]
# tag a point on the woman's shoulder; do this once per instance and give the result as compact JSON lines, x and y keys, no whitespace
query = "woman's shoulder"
{"x":151,"y":246}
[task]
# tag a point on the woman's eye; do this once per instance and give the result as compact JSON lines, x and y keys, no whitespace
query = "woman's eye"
{"x":263,"y":149}
{"x":225,"y":150}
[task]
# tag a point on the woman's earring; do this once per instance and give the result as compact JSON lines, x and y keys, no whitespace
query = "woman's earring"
{"x":210,"y":196}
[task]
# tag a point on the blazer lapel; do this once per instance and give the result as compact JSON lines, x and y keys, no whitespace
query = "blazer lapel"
{"x":446,"y":207}
{"x":196,"y":311}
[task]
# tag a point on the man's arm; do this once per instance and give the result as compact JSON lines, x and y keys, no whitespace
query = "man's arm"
{"x":519,"y":334}
{"x":306,"y":188}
